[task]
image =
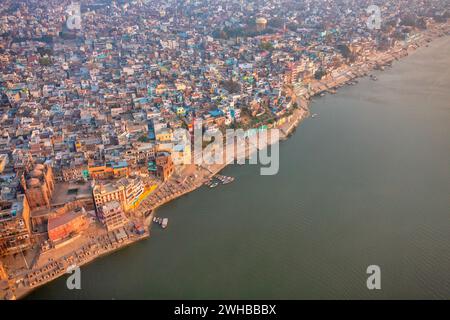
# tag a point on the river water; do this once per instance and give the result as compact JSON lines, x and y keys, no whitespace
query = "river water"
{"x":366,"y":182}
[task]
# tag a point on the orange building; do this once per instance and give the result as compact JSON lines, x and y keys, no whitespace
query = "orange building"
{"x":3,"y":273}
{"x":66,"y":225}
{"x":164,"y":165}
{"x":109,"y":170}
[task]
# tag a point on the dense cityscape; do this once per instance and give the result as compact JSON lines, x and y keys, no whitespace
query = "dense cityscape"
{"x":89,"y":110}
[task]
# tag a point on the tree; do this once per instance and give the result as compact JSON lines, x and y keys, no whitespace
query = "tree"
{"x":143,"y":138}
{"x":45,"y":61}
{"x":344,"y":50}
{"x":320,"y":73}
{"x":268,"y":46}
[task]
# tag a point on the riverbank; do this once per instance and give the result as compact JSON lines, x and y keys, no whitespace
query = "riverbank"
{"x":91,"y":249}
{"x":196,"y":176}
{"x":192,"y":185}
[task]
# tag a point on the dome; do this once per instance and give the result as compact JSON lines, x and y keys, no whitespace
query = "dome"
{"x":261,"y":21}
{"x":36,"y":173}
{"x":33,"y":182}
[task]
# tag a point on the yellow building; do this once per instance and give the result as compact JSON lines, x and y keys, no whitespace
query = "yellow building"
{"x":164,"y":135}
{"x":181,"y":154}
{"x":3,"y":273}
{"x":160,"y":89}
{"x":3,"y":162}
{"x":125,"y":190}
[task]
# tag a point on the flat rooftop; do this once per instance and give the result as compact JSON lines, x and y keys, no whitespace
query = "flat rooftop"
{"x":69,"y":191}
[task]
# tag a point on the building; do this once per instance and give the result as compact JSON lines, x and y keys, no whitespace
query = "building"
{"x":39,"y":185}
{"x":39,"y":218}
{"x":15,"y":229}
{"x":125,"y":190}
{"x":261,"y":23}
{"x":109,"y":170}
{"x":164,"y":165}
{"x":164,"y":135}
{"x":112,"y":216}
{"x":181,"y":154}
{"x":3,"y":162}
{"x":3,"y":273}
{"x":67,"y":225}
{"x":140,"y":152}
{"x":75,"y":173}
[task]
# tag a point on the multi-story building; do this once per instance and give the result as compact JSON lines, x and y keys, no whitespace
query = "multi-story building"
{"x":164,"y":135}
{"x":125,"y":190}
{"x":109,"y":170}
{"x":164,"y":165}
{"x":15,"y":229}
{"x":140,"y":152}
{"x":39,"y":185}
{"x":64,"y":226}
{"x":181,"y":154}
{"x":3,"y":162}
{"x":112,"y":216}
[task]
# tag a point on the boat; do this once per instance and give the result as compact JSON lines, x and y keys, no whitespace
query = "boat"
{"x":314,"y":115}
{"x":164,"y":223}
{"x":227,"y":180}
{"x":214,"y":184}
{"x":208,"y":183}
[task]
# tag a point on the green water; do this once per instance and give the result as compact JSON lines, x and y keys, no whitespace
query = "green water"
{"x":365,"y":182}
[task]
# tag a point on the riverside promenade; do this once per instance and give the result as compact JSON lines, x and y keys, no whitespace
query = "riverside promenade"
{"x":56,"y":262}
